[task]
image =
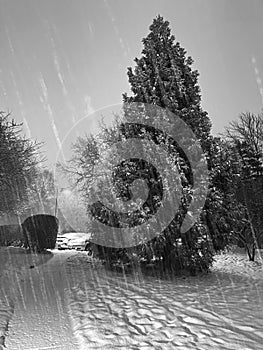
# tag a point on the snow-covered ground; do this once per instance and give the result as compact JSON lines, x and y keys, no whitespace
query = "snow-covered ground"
{"x":68,"y":301}
{"x":36,"y":285}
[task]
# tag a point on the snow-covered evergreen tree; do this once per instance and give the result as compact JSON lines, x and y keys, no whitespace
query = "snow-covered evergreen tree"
{"x":164,"y":76}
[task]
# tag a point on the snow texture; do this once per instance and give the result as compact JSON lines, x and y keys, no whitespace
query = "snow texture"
{"x":69,"y":301}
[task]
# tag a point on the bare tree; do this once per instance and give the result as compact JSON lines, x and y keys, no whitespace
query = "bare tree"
{"x":18,"y":159}
{"x":246,"y":138}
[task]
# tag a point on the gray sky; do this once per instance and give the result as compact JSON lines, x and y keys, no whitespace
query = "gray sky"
{"x":61,"y":59}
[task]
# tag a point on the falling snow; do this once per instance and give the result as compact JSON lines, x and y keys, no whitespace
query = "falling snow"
{"x":59,"y":63}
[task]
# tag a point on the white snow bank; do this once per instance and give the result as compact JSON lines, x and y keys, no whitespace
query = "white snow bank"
{"x":236,"y":262}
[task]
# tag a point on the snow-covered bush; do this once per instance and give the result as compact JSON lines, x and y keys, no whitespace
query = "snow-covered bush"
{"x":40,"y":232}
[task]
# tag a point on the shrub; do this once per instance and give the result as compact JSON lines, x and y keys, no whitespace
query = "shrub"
{"x":11,"y":235}
{"x":110,"y":255}
{"x":40,"y":232}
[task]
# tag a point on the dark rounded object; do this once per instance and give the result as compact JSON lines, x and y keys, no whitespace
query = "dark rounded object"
{"x":40,"y":232}
{"x":88,"y":249}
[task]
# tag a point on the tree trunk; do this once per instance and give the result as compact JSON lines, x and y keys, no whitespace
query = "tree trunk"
{"x":212,"y":230}
{"x":251,"y":251}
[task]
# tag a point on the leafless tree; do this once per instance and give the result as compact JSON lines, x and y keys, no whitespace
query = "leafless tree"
{"x":246,"y":138}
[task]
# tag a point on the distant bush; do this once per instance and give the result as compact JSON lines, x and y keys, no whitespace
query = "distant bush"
{"x":40,"y":232}
{"x":11,"y":235}
{"x":110,"y":255}
{"x":193,"y":253}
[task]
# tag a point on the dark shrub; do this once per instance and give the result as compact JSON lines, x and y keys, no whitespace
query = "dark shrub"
{"x":40,"y":232}
{"x":11,"y":235}
{"x":108,"y":254}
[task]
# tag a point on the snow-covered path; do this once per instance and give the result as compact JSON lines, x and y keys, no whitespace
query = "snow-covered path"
{"x":40,"y":319}
{"x":123,"y":312}
{"x":68,"y":301}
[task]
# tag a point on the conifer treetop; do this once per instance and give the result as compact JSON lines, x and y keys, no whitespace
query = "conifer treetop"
{"x":164,"y":76}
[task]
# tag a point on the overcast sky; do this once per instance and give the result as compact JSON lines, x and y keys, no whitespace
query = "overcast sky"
{"x":61,"y":59}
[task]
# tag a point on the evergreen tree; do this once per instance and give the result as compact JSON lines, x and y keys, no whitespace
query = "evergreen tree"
{"x":164,"y":76}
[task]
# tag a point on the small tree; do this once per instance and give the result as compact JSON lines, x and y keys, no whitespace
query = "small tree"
{"x":246,"y":138}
